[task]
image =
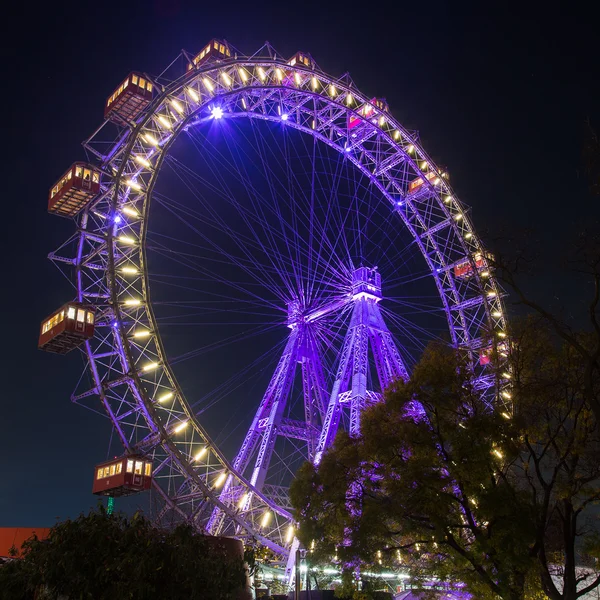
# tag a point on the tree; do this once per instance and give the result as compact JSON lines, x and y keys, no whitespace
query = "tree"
{"x":110,"y":556}
{"x":462,"y":492}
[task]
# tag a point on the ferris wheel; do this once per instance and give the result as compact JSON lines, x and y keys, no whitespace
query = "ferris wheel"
{"x":260,"y":250}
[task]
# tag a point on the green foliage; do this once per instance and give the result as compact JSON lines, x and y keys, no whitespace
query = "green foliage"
{"x":462,"y":492}
{"x":101,"y":556}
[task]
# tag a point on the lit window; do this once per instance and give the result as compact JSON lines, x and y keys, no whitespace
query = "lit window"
{"x":78,"y":171}
{"x":99,"y":474}
{"x":71,"y":312}
{"x":221,"y":49}
{"x":148,"y":469}
{"x":142,"y":83}
{"x":54,"y":190}
{"x":70,"y":175}
{"x":149,"y":86}
{"x":139,"y":465}
{"x":120,"y":89}
{"x":119,"y":468}
{"x":106,"y":470}
{"x":86,"y":174}
{"x":96,"y":177}
{"x":126,"y":83}
{"x":216,"y":46}
{"x":134,"y":79}
{"x":130,"y":466}
{"x":112,"y":470}
{"x":227,"y":51}
{"x":89,"y":316}
{"x":80,"y":315}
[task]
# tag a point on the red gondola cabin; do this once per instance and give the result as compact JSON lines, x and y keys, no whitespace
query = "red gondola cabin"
{"x":464,"y":270}
{"x":366,"y":111}
{"x":122,"y":476}
{"x":74,"y":190}
{"x":67,"y":328}
{"x":217,"y":49}
{"x":129,"y":100}
{"x":433,"y":177}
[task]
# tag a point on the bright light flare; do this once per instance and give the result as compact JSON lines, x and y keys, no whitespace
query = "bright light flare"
{"x":220,"y":480}
{"x":165,"y":397}
{"x":200,"y":454}
{"x":124,"y":239}
{"x":193,"y":94}
{"x":243,"y":74}
{"x":130,"y":211}
{"x":226,"y":79}
{"x":285,"y":117}
{"x":216,"y":112}
{"x":133,"y":185}
{"x":289,"y":536}
{"x":142,"y":333}
{"x":181,"y":426}
{"x":132,"y":302}
{"x":149,"y":367}
{"x":207,"y":84}
{"x":129,"y":270}
{"x":177,"y":106}
{"x":164,"y":122}
{"x":151,"y":139}
{"x":142,"y":161}
{"x":265,"y":519}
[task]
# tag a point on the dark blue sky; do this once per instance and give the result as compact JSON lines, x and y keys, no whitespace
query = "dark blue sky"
{"x":499,"y":95}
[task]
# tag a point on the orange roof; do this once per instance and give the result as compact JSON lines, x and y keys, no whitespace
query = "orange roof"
{"x":15,"y":536}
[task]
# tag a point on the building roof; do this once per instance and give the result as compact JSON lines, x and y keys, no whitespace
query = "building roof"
{"x":15,"y":536}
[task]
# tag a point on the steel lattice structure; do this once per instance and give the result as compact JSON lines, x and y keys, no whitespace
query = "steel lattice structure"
{"x":127,"y":359}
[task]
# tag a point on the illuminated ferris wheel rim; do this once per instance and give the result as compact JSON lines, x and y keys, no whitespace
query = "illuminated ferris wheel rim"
{"x":281,"y":93}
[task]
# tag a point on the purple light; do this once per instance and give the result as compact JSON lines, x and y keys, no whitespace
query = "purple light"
{"x":115,"y":324}
{"x":284,"y":117}
{"x":118,"y":219}
{"x":216,"y":112}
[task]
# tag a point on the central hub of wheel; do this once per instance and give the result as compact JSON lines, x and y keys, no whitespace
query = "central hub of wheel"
{"x":366,"y":283}
{"x":294,"y":313}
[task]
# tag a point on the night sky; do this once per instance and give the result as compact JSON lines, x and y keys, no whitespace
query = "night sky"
{"x":499,"y":96}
